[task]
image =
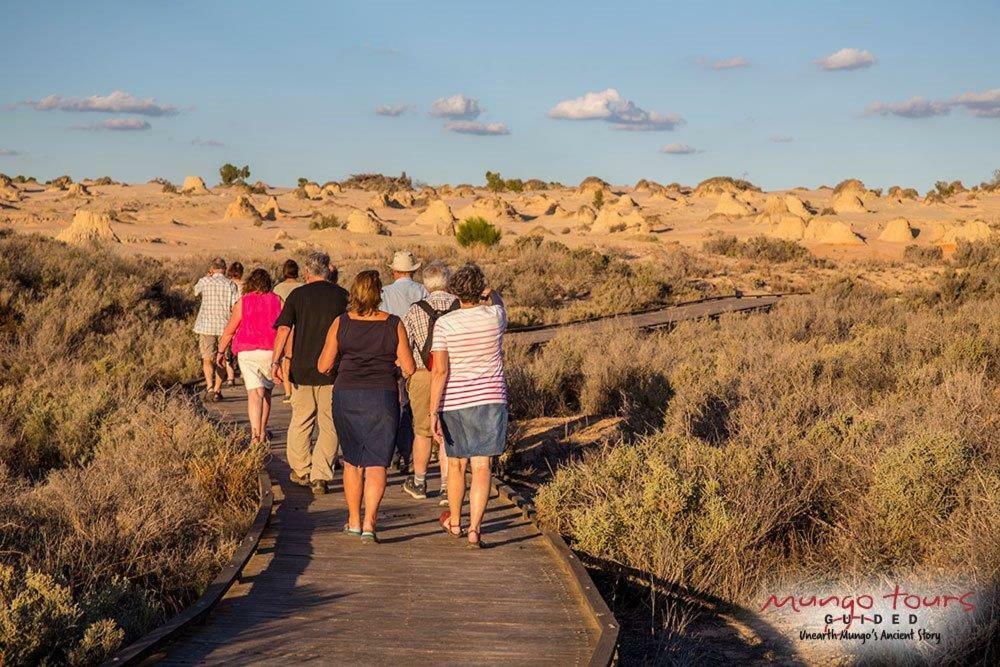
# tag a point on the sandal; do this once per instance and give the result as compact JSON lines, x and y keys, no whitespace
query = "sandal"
{"x":217,"y":396}
{"x":478,"y":544}
{"x":351,"y":531}
{"x":369,"y":537}
{"x":445,"y":522}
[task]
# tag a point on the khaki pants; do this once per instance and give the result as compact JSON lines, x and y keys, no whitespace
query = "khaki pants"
{"x":312,"y":406}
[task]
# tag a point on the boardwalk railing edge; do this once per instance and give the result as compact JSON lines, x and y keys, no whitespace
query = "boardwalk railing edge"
{"x":607,"y":627}
{"x":196,"y":613}
{"x":529,"y":328}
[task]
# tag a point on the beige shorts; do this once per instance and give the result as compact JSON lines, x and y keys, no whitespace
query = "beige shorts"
{"x":419,"y":390}
{"x":255,"y":367}
{"x":208,"y":345}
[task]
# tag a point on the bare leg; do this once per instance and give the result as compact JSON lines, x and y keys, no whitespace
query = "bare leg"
{"x":254,"y":400}
{"x":217,"y":370}
{"x":456,"y":489}
{"x":352,"y":492}
{"x":421,"y":454}
{"x":443,"y":464}
{"x":374,"y":490}
{"x":479,"y":493}
{"x":208,"y":368}
{"x":230,"y":371}
{"x":265,"y":410}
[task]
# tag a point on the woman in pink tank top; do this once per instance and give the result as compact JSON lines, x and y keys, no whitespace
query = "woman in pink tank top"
{"x":251,"y":331}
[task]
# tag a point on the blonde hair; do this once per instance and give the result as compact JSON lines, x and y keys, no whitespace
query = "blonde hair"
{"x":366,"y":293}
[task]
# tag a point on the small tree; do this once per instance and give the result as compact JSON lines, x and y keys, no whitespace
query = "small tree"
{"x":302,"y":182}
{"x":598,"y":199}
{"x":230,"y":173}
{"x":494,"y":182}
{"x":514,"y":185}
{"x":476,"y":231}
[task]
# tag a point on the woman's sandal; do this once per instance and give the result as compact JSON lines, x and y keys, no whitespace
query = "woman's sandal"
{"x":478,"y":544}
{"x":369,"y":537}
{"x":445,"y":522}
{"x":356,"y":532}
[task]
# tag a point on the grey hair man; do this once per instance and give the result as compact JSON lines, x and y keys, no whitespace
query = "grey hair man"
{"x":218,"y":296}
{"x":419,"y":323}
{"x":307,"y":315}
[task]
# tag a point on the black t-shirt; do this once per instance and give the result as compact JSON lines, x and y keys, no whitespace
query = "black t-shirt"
{"x":311,"y":309}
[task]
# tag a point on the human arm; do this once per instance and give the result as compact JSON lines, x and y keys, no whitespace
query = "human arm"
{"x":329,"y":354}
{"x":227,"y":335}
{"x":439,"y":377}
{"x":404,"y":353}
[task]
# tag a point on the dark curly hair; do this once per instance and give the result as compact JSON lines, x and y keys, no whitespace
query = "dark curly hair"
{"x":259,"y":280}
{"x":468,"y":283}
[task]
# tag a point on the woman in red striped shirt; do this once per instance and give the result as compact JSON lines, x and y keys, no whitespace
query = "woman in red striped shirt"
{"x":469,"y":395}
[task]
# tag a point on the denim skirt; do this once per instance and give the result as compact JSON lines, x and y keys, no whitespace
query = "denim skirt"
{"x":366,"y":421}
{"x":477,"y":431}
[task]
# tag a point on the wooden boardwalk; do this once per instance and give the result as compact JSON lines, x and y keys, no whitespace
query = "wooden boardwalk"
{"x":312,"y":594}
{"x":654,"y":319}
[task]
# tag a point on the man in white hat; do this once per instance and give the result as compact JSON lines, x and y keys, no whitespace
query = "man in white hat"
{"x":397,"y":298}
{"x":404,"y":291}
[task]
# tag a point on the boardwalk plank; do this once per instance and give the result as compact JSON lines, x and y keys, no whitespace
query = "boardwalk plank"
{"x":312,"y":594}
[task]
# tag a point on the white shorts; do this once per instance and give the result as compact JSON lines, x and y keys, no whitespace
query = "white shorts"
{"x":255,"y":366}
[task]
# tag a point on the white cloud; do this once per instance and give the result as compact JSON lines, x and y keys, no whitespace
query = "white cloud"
{"x":116,"y":102}
{"x":392,"y":110}
{"x":916,"y":107}
{"x":456,"y":106}
{"x":609,"y":106}
{"x":985,"y":104}
{"x":679,"y":149}
{"x":847,"y":59}
{"x":475,"y":127}
{"x":781,"y":139}
{"x":730,"y":63}
{"x":116,"y":125}
{"x":208,"y":143}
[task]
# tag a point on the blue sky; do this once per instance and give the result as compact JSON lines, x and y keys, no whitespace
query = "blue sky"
{"x":291,"y":89}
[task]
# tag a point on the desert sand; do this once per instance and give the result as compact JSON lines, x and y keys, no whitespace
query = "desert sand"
{"x":852,"y":222}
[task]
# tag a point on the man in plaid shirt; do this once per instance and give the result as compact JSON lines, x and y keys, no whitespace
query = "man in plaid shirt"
{"x":218,"y":296}
{"x":417,"y":322}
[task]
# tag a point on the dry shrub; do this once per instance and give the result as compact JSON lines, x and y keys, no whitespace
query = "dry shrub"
{"x":923,"y":255}
{"x":121,"y":501}
{"x":757,"y":248}
{"x":846,"y":433}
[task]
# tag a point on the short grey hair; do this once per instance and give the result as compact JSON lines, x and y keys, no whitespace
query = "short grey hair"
{"x":436,"y":276}
{"x":318,"y":264}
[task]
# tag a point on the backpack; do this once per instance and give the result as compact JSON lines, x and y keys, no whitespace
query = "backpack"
{"x":432,"y":316}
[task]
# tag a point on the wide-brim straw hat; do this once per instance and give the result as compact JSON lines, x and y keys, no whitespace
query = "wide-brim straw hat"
{"x":404,"y":261}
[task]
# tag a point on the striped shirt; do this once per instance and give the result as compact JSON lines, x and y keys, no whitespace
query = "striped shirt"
{"x":473,"y":339}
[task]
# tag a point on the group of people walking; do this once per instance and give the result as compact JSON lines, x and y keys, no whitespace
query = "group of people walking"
{"x":370,"y":370}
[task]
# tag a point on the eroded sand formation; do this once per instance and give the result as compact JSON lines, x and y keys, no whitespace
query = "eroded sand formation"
{"x":850,"y":221}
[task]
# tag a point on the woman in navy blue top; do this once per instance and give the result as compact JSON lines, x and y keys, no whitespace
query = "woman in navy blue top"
{"x":373,"y":349}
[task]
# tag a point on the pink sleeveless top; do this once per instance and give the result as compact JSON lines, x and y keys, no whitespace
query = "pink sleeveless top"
{"x":256,"y":330}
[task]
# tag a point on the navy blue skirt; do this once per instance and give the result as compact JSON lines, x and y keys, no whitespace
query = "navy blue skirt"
{"x":366,"y":421}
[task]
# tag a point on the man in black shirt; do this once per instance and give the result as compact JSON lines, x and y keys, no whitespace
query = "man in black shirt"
{"x":307,"y":315}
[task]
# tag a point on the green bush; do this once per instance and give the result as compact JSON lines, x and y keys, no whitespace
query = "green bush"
{"x":494,"y":182}
{"x":231,"y":174}
{"x":476,"y":231}
{"x":598,"y":200}
{"x":169,"y":188}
